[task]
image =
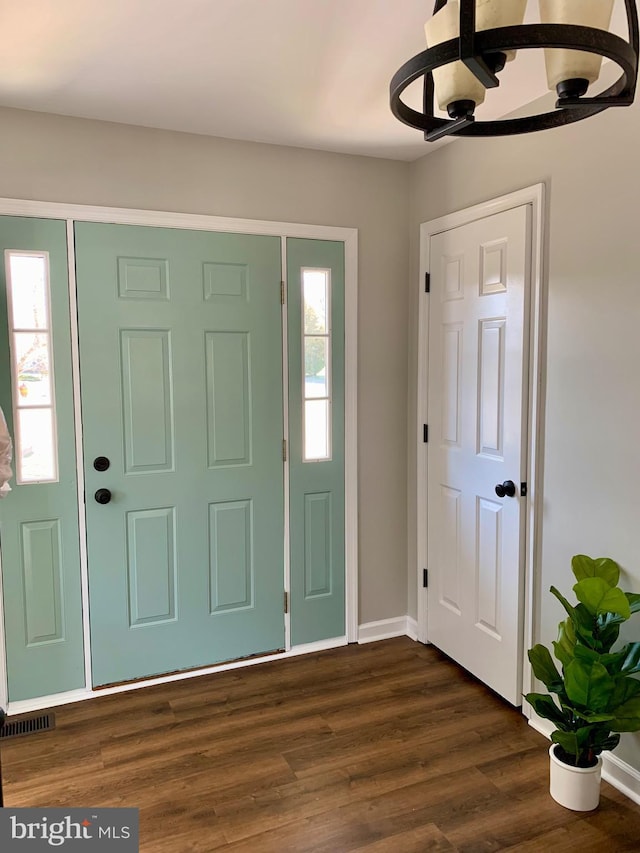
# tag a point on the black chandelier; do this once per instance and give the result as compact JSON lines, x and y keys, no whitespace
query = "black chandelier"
{"x":470,"y":41}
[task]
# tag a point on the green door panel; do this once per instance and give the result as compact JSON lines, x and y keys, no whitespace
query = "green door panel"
{"x":39,"y":521}
{"x":316,"y":487}
{"x":181,"y":374}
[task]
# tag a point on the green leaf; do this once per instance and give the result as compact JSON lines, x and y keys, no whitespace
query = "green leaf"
{"x":608,"y":631}
{"x":627,"y":717}
{"x":612,"y":662}
{"x":564,"y":647}
{"x":582,"y":620}
{"x":586,"y":625}
{"x":568,"y":741}
{"x":603,"y":567}
{"x":610,"y":742}
{"x":544,"y":668}
{"x":634,"y":601}
{"x":626,"y":688}
{"x":544,"y":706}
{"x":587,"y":655}
{"x":590,"y":717}
{"x":563,"y":601}
{"x":598,"y":597}
{"x":632,"y":658}
{"x":589,"y":685}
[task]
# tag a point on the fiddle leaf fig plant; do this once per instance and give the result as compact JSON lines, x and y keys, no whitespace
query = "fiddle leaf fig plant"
{"x":594,"y":695}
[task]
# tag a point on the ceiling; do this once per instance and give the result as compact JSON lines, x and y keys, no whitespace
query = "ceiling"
{"x":306,"y":73}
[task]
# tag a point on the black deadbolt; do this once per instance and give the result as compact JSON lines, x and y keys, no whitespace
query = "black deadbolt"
{"x":507,"y":488}
{"x":103,"y":496}
{"x":101,"y":463}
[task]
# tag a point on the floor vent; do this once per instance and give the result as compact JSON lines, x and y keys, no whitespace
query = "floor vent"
{"x":27,"y":724}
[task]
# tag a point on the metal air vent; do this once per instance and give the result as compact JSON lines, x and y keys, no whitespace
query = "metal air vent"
{"x":27,"y":724}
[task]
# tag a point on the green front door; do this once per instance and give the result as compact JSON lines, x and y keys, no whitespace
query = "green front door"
{"x":181,"y":380}
{"x":41,"y":587}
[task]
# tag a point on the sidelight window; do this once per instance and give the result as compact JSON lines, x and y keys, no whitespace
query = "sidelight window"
{"x":316,"y":347}
{"x":34,"y":419}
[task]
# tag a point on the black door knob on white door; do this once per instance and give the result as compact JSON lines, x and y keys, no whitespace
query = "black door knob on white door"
{"x":508,"y":489}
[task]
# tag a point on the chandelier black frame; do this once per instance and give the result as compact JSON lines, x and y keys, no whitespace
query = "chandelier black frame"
{"x":475,"y":50}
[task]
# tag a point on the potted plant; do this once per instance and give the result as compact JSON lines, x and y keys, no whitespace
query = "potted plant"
{"x":594,"y":695}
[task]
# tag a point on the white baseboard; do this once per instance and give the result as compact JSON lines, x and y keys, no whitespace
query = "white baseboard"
{"x":319,"y":646}
{"x":371,"y":632}
{"x":615,"y":771}
{"x":412,"y":628}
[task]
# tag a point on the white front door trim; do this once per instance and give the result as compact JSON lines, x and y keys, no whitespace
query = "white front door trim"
{"x":164,"y":219}
{"x":534,"y":196}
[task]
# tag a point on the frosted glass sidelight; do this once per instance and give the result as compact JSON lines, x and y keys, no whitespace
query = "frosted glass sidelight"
{"x":316,"y":429}
{"x":29,"y":286}
{"x":316,"y":296}
{"x":316,"y":362}
{"x":31,"y":367}
{"x":316,"y":349}
{"x":35,"y":442}
{"x":574,"y":64}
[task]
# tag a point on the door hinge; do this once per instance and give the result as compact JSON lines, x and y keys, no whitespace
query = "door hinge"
{"x":286,"y":602}
{"x":284,"y":449}
{"x":425,"y":578}
{"x":282,"y":292}
{"x":427,"y":282}
{"x":425,"y":433}
{"x":523,"y":490}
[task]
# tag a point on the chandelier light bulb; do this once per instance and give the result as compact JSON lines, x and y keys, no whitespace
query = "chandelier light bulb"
{"x":570,"y":72}
{"x":458,"y":90}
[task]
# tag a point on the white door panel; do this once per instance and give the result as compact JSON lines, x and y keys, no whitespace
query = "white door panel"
{"x":477,"y":438}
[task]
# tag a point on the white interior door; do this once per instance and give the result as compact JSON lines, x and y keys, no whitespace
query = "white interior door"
{"x":477,"y":415}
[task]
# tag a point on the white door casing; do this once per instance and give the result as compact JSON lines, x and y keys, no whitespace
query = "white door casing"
{"x":479,"y":354}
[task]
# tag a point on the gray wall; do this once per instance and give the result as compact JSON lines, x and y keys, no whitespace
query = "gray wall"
{"x":592,"y":464}
{"x":53,"y":158}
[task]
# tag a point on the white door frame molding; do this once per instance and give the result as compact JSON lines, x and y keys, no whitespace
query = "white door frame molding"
{"x":164,"y":219}
{"x":534,"y":196}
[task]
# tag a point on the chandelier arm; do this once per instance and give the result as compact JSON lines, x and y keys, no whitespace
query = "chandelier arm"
{"x":428,"y":94}
{"x":617,"y":95}
{"x":471,"y":57}
{"x":435,"y":127}
{"x":527,"y":124}
{"x":634,"y":39}
{"x":569,"y":36}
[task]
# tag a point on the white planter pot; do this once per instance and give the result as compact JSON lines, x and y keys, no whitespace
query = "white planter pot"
{"x":576,"y":788}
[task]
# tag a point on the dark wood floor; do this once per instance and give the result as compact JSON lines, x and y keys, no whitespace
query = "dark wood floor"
{"x":388,"y":748}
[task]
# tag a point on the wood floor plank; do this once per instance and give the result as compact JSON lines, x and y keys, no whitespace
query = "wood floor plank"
{"x":501,"y":824}
{"x":386,"y":748}
{"x":580,"y":837}
{"x":425,"y":838}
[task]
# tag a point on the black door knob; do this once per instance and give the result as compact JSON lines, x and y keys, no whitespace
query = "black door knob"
{"x":507,"y":488}
{"x":103,"y":496}
{"x":101,"y":463}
